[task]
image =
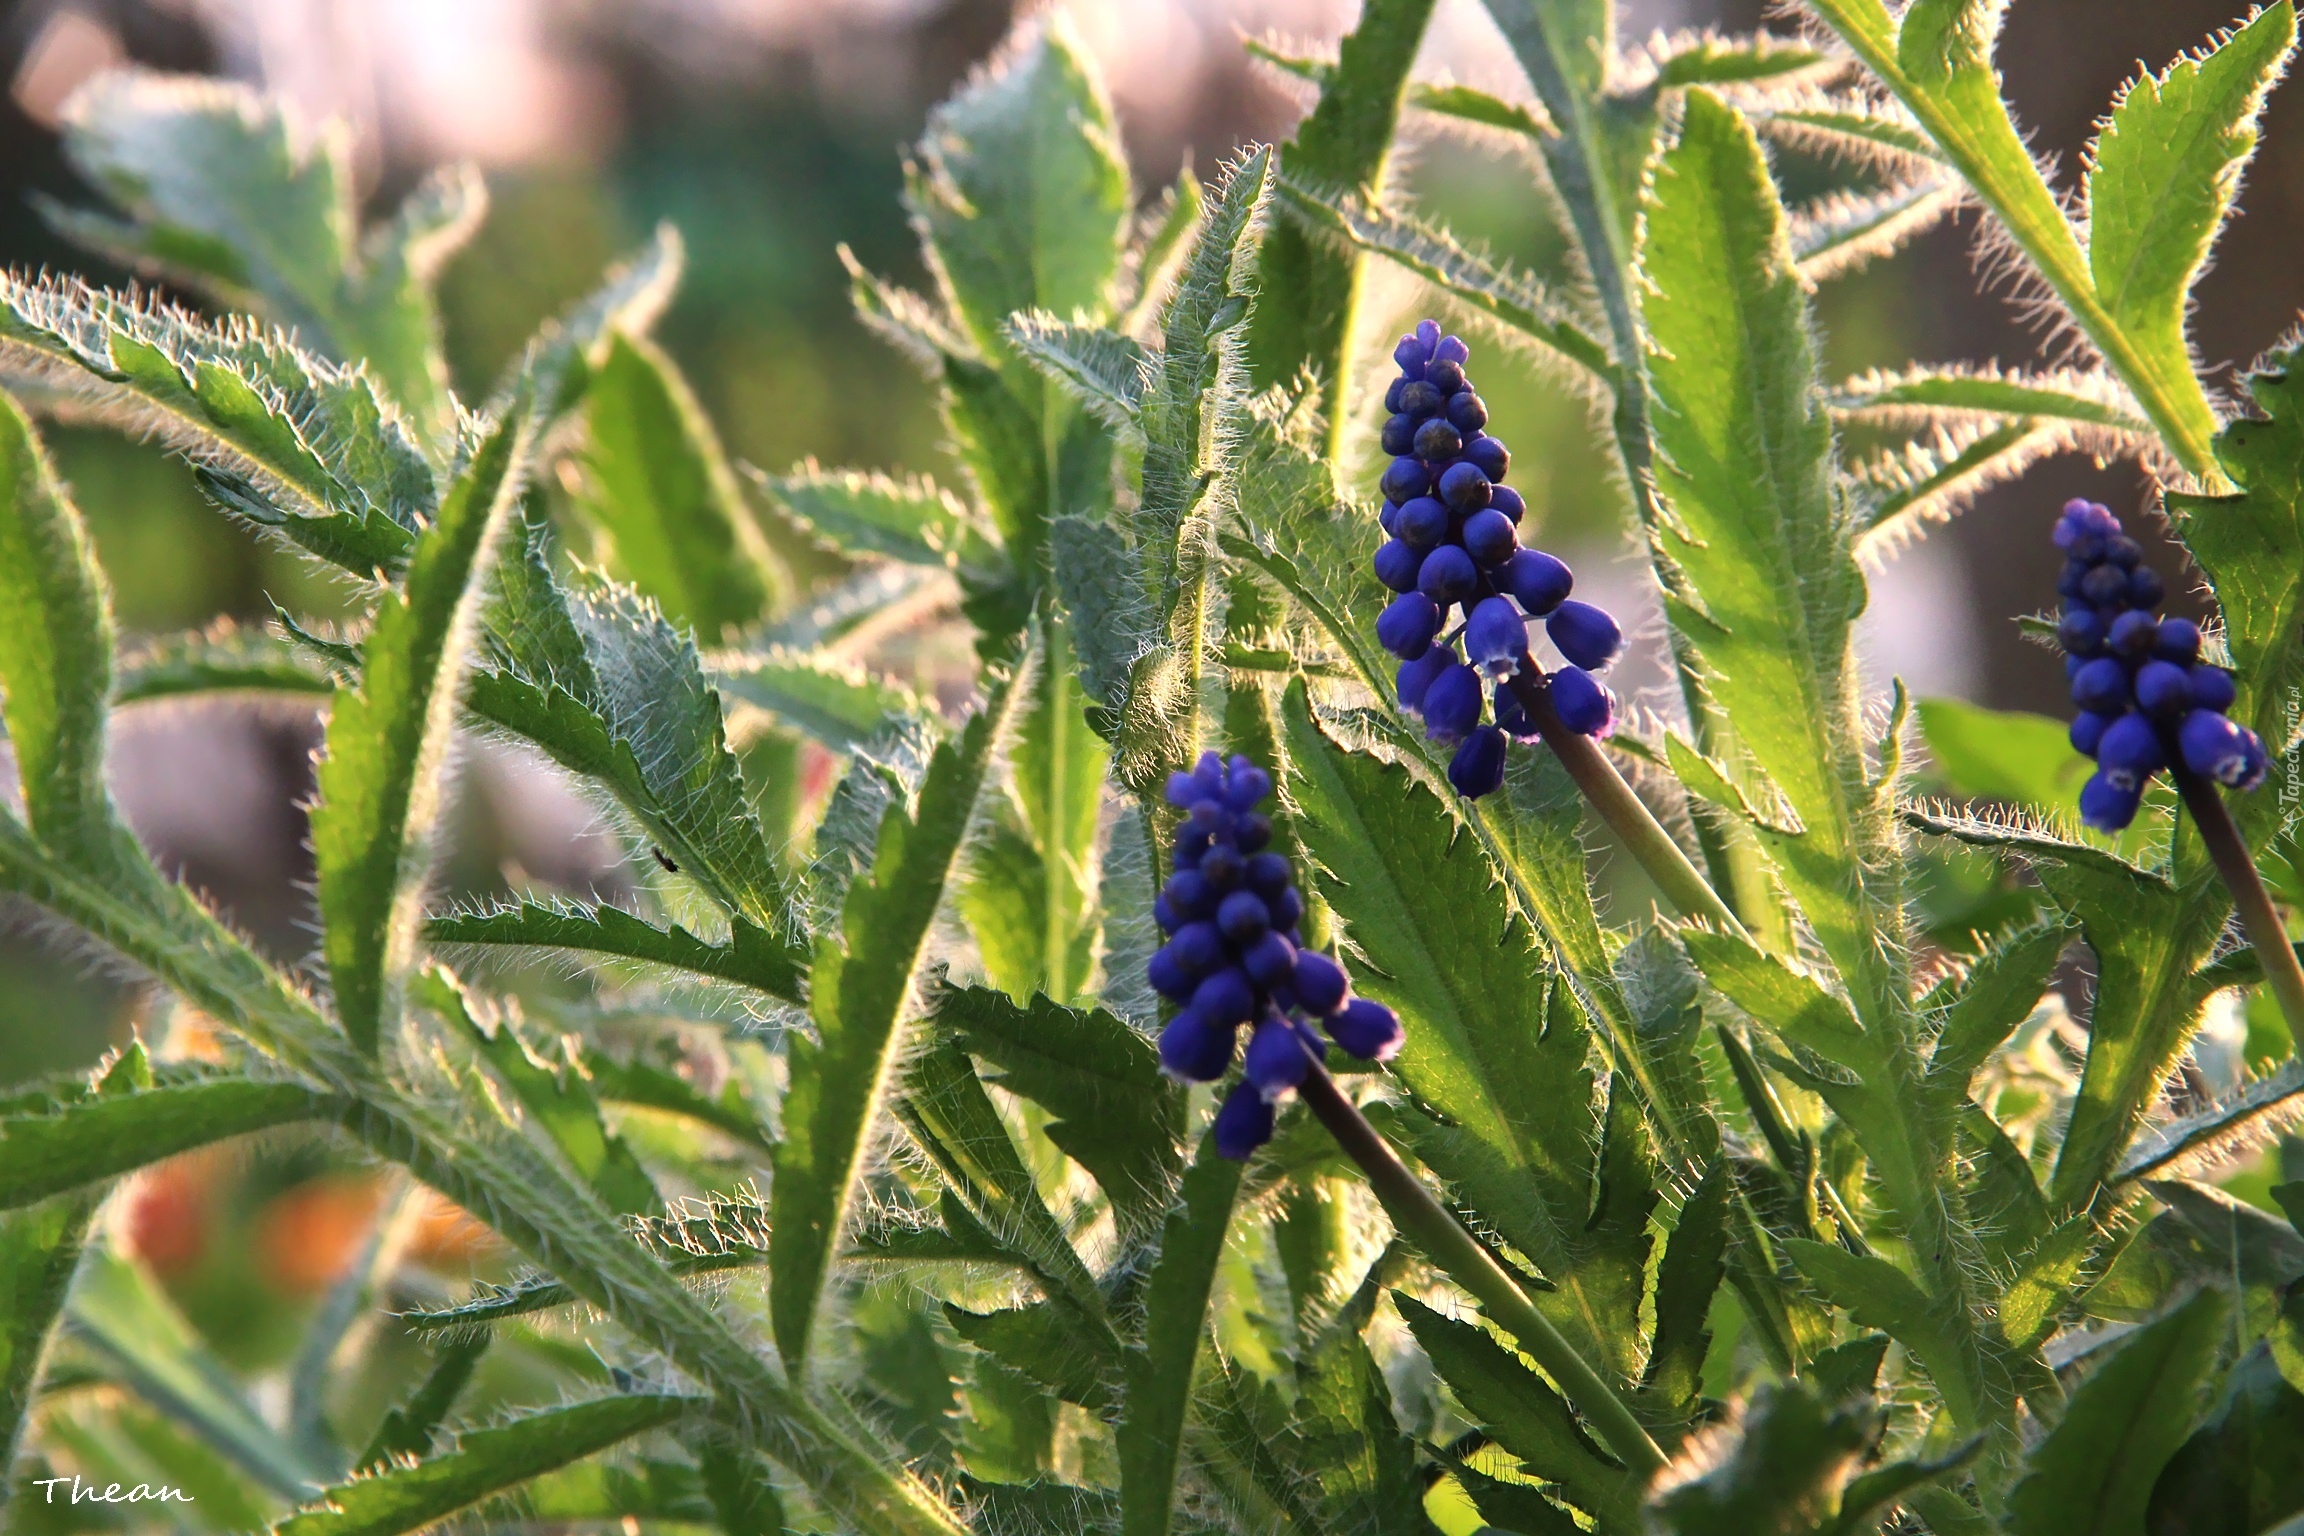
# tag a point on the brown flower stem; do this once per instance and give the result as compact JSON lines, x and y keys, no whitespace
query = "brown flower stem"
{"x":2258,"y":917}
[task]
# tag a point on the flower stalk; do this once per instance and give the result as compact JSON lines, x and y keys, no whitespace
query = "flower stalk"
{"x":2259,"y":918}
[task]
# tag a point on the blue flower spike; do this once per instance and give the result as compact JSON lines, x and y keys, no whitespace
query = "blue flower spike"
{"x":2147,"y":702}
{"x":1454,"y":542}
{"x":1235,"y":956}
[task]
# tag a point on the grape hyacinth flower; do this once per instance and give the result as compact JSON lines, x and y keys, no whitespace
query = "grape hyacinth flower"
{"x":2147,"y":701}
{"x":1234,"y":957}
{"x":1453,"y":540}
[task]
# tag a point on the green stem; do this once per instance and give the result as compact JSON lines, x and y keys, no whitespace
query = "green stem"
{"x":1420,"y":1217}
{"x":2261,"y":920}
{"x":1641,"y":834}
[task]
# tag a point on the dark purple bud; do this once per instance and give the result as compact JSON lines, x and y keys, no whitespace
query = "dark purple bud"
{"x":1182,"y":790}
{"x":1406,"y":479}
{"x":2179,"y":642}
{"x":2068,"y":580}
{"x":1506,"y":500}
{"x":2133,"y":635}
{"x":1243,"y":1124}
{"x":2088,"y":547}
{"x":2123,"y":551}
{"x":1452,"y":704}
{"x":1388,"y":518}
{"x":1270,"y":961}
{"x":1437,"y":440}
{"x":1490,"y":455}
{"x":2102,"y":685}
{"x":1226,"y":997}
{"x":1584,"y":705}
{"x":1423,"y":523}
{"x":2104,"y":584}
{"x":1448,"y":575}
{"x":1194,"y":1049}
{"x":1541,"y":582}
{"x":1411,"y":354}
{"x":1247,"y":785}
{"x":1407,"y":625}
{"x":1399,"y":437}
{"x":2163,"y":690}
{"x":1320,"y":983}
{"x":1252,"y":833}
{"x":1464,"y":488}
{"x":1188,"y":894}
{"x":1496,"y":637}
{"x":1269,"y":874}
{"x":1488,"y":537}
{"x":1416,"y":677}
{"x":1244,"y":917}
{"x":2145,"y":589}
{"x":1448,"y":378}
{"x":2105,"y":806}
{"x":1398,"y":564}
{"x":1276,"y":1060}
{"x":1420,"y":400}
{"x":1220,"y":866}
{"x":1451,"y":349}
{"x":1167,"y":977}
{"x":1392,"y":395}
{"x":1287,"y":910}
{"x":1367,"y":1029}
{"x":2080,"y":631}
{"x":2131,"y":752}
{"x":1164,"y":914}
{"x":2088,"y":728}
{"x":1478,"y":767}
{"x":2216,"y":748}
{"x":1467,"y":412}
{"x":2211,"y":688}
{"x":1197,"y":948}
{"x":1587,"y":636}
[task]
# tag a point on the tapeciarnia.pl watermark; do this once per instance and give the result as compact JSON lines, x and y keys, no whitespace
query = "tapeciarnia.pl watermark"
{"x":142,"y":1493}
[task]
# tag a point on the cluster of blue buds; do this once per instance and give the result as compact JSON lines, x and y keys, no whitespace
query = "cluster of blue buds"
{"x":1234,"y":957}
{"x":2146,"y":699}
{"x":1453,"y":538}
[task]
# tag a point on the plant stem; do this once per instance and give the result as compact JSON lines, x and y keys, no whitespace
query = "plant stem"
{"x":2258,"y":916}
{"x":1675,"y":875}
{"x":1427,"y":1223}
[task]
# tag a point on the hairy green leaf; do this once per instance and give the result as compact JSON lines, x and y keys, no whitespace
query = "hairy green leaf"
{"x":659,"y":485}
{"x":863,"y":989}
{"x":1879,"y":1295}
{"x":911,"y":519}
{"x":748,"y":960}
{"x":832,"y":699}
{"x":105,"y":1135}
{"x":408,"y":1428}
{"x":380,"y":782}
{"x":223,"y":658}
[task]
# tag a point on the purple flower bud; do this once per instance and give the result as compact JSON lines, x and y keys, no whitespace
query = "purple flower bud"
{"x":1422,"y":523}
{"x":1320,"y":983}
{"x":1587,"y":636}
{"x":1541,"y":582}
{"x":2123,"y":551}
{"x":1448,"y":575}
{"x":1584,"y":706}
{"x":2145,"y":588}
{"x":2080,"y":631}
{"x":1197,"y":948}
{"x":1194,"y":1049}
{"x":1508,"y":501}
{"x":1446,"y":377}
{"x":1405,"y":479}
{"x":1464,"y":488}
{"x":1452,"y":704}
{"x":1270,"y":961}
{"x":1392,"y":395}
{"x":1416,"y":677}
{"x":1488,"y":537}
{"x":1399,"y":435}
{"x":1420,"y":400}
{"x":1451,"y":349}
{"x":2104,"y":585}
{"x":1496,"y":637}
{"x":2131,"y":753}
{"x":1168,"y":978}
{"x":1438,"y":440}
{"x":1478,"y":767}
{"x":1246,"y":785}
{"x":1188,"y":894}
{"x":1398,"y":565}
{"x":1226,"y":997}
{"x":2163,"y":690}
{"x":1428,"y":335}
{"x":1164,"y":914}
{"x":2179,"y":642}
{"x":1287,"y":910}
{"x":1183,"y":789}
{"x":1489,"y":455}
{"x":2105,"y":806}
{"x":1367,"y":1029}
{"x":2133,"y":635}
{"x":1243,"y":1124}
{"x":2211,"y":688}
{"x":2216,"y":748}
{"x":1411,"y":354}
{"x":2088,"y":728}
{"x":1467,"y":412}
{"x":1276,"y":1059}
{"x":1407,"y":625}
{"x":2102,"y":685}
{"x":1269,"y":874}
{"x":1244,"y":917}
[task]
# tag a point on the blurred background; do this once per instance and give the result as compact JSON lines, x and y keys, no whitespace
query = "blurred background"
{"x":772,"y":131}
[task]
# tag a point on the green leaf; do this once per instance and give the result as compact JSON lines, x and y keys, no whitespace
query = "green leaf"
{"x":2239,"y":1472}
{"x":39,"y":1250}
{"x":830,"y":698}
{"x":731,"y":1111}
{"x":1686,"y":1281}
{"x":55,"y":652}
{"x":1498,"y":291}
{"x":557,"y":1098}
{"x":1835,"y":234}
{"x":485,"y":1462}
{"x":2095,"y":1469}
{"x":2239,"y":541}
{"x":105,"y":1135}
{"x":2002,"y":988}
{"x":1849,"y":127}
{"x":2002,"y":754}
{"x":223,"y":193}
{"x":1505,"y":1072}
{"x":1903,"y":488}
{"x":556,"y":365}
{"x":749,"y":960}
{"x":2162,"y":175}
{"x":408,"y":1428}
{"x":1311,"y":287}
{"x":224,"y":658}
{"x":281,"y":437}
{"x":2246,"y":1116}
{"x":1707,"y":59}
{"x":1161,"y":1371}
{"x":380,"y":782}
{"x":1917,"y":396}
{"x":863,"y":991}
{"x":121,"y":1310}
{"x":1743,"y":465}
{"x":595,"y":676}
{"x":911,"y":519}
{"x":1879,"y":1295}
{"x":743,"y":1495}
{"x":1047,"y":1341}
{"x":1344,"y":1439}
{"x":1523,"y":1414}
{"x":1115,"y":1113}
{"x":1791,"y":1456}
{"x":658,"y":484}
{"x":1104,"y":370}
